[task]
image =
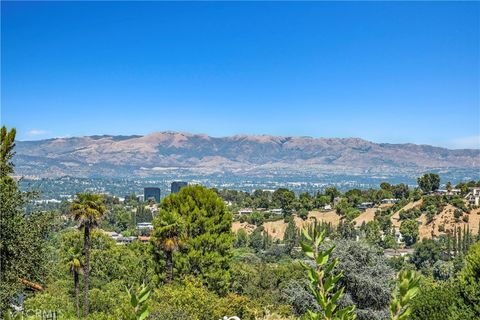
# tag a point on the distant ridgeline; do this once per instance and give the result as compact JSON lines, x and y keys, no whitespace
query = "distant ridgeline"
{"x":241,"y":157}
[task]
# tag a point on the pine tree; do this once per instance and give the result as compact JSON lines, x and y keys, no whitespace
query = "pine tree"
{"x":207,"y":250}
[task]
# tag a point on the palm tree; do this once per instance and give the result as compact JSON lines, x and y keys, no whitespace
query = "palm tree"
{"x":87,"y":209}
{"x":75,"y":266}
{"x":168,"y":235}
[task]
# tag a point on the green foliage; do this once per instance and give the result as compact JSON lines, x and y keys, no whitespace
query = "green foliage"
{"x":345,"y":209}
{"x":256,"y":218}
{"x":458,"y":202}
{"x":118,"y":219}
{"x":332,"y":192}
{"x":303,"y":213}
{"x":291,"y":236}
{"x":23,"y":251}
{"x":427,"y":253}
{"x":407,"y":289}
{"x":190,"y":300}
{"x":372,"y":232}
{"x":284,"y":199}
{"x":429,"y":182}
{"x":470,"y":278}
{"x":410,"y":214}
{"x":323,"y":280}
{"x":366,"y":277}
{"x":242,"y":239}
{"x":55,"y":297}
{"x":457,"y":214}
{"x":409,"y":231}
{"x":87,"y":210}
{"x":277,"y":286}
{"x":440,"y":301}
{"x":7,"y":144}
{"x":256,"y":238}
{"x":207,"y":248}
{"x":139,"y":302}
{"x":169,"y":233}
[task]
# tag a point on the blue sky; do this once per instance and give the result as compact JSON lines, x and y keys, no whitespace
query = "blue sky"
{"x":386,"y":72}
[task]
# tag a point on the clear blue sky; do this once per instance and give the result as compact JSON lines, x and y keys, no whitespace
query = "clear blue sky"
{"x":386,"y":72}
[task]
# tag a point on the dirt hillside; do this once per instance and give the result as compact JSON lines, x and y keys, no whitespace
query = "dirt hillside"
{"x":443,"y":220}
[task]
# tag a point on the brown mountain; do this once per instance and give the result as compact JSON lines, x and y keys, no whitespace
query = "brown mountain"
{"x":241,"y":154}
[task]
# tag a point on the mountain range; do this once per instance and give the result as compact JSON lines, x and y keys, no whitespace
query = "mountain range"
{"x":159,"y":152}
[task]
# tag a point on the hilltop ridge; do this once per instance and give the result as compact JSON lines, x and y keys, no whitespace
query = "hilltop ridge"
{"x":143,"y":156}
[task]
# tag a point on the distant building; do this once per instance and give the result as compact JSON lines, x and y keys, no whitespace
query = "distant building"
{"x":151,"y":192}
{"x":140,"y":198}
{"x":390,"y":253}
{"x":365,"y":205}
{"x":177,"y":185}
{"x":336,"y":200}
{"x":327,"y":207}
{"x":276,"y":211}
{"x":390,"y":201}
{"x":48,"y":201}
{"x":398,"y":236}
{"x":125,"y":240}
{"x":144,"y":225}
{"x":446,"y":192}
{"x":473,"y":196}
{"x":153,"y":209}
{"x":245,"y":211}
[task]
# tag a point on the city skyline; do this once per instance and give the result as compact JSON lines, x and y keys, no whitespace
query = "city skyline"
{"x":384,"y":72}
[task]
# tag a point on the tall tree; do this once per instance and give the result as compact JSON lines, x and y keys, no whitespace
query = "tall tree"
{"x":429,"y":182}
{"x":6,"y":151}
{"x":75,"y":265}
{"x":291,"y":236}
{"x":284,"y":198}
{"x":87,"y":209}
{"x":470,"y":278}
{"x":209,"y":240}
{"x":23,"y":253}
{"x":169,"y":231}
{"x":409,"y":231}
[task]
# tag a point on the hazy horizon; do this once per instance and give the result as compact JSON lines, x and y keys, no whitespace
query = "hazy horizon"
{"x":226,"y":136}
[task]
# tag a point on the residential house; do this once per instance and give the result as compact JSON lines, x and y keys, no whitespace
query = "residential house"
{"x":276,"y":211}
{"x":390,"y":201}
{"x":245,"y":211}
{"x":473,"y":196}
{"x":365,"y":205}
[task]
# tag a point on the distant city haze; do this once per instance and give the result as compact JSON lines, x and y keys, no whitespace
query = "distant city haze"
{"x":386,"y":72}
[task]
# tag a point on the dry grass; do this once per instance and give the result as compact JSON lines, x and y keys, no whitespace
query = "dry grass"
{"x":396,"y":216}
{"x":276,"y":229}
